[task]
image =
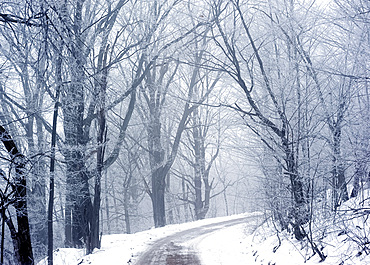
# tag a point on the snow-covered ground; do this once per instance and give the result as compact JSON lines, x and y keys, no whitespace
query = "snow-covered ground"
{"x":343,"y":238}
{"x":240,"y":244}
{"x":124,"y":248}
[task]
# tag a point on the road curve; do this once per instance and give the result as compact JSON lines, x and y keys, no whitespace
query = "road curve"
{"x":171,"y":250}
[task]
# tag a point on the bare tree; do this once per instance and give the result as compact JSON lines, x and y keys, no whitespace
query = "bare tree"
{"x":154,"y":91}
{"x":281,"y":130}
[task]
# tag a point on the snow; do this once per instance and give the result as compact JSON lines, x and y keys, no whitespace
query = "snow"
{"x":226,"y":246}
{"x":239,"y":244}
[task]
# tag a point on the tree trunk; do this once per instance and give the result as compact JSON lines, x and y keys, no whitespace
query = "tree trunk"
{"x":51,"y":189}
{"x":127,"y":214}
{"x":158,"y":198}
{"x":340,"y":193}
{"x":300,"y":209}
{"x":78,"y":201}
{"x":107,"y":212}
{"x":200,"y":172}
{"x":78,"y":195}
{"x":24,"y":236}
{"x":58,"y":74}
{"x":68,"y":216}
{"x":156,"y":157}
{"x":94,"y":237}
{"x":22,"y":241}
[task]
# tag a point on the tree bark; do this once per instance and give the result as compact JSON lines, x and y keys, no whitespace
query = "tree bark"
{"x":339,"y":181}
{"x":158,"y":197}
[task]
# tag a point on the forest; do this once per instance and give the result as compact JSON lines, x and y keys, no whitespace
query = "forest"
{"x":120,"y":115}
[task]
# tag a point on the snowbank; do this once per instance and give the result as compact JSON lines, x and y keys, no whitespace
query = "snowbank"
{"x":344,"y":238}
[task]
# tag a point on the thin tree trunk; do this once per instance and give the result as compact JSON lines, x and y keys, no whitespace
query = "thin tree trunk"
{"x":58,"y":73}
{"x":107,"y":203}
{"x":52,"y":177}
{"x":127,"y":214}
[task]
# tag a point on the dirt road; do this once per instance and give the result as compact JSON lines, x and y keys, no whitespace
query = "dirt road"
{"x":174,"y":249}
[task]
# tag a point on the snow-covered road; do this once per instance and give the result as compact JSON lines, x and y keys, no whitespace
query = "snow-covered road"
{"x":183,"y":247}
